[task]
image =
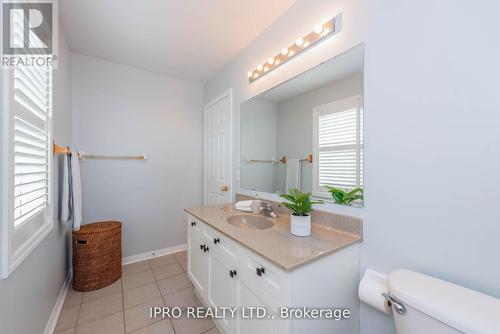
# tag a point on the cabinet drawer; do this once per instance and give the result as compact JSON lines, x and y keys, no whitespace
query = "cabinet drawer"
{"x":221,"y":246}
{"x":262,"y":275}
{"x":194,"y":225}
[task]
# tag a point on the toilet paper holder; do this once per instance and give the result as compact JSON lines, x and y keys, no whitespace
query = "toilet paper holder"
{"x":398,"y":304}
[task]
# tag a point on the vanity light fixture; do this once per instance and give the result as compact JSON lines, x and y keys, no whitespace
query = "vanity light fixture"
{"x":320,"y":32}
{"x":318,"y":28}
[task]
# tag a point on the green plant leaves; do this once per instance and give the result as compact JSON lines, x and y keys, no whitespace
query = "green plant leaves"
{"x":300,"y":203}
{"x":343,"y":197}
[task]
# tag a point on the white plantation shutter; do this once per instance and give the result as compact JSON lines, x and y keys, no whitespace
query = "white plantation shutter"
{"x":16,"y":28}
{"x":29,"y":132}
{"x":338,"y":129}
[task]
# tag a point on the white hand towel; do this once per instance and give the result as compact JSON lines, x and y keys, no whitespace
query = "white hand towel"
{"x":292,"y":174}
{"x":244,"y":203}
{"x":244,"y":208}
{"x":65,"y":196}
{"x":76,"y":189}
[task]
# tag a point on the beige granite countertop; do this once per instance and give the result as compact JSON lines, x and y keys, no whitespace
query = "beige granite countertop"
{"x":277,"y":244}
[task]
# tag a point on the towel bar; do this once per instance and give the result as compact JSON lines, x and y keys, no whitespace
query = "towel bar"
{"x":56,"y":149}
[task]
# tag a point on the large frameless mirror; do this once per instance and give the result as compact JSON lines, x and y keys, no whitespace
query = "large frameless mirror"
{"x":307,"y":133}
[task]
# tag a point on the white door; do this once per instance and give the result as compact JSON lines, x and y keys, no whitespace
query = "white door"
{"x":217,"y":150}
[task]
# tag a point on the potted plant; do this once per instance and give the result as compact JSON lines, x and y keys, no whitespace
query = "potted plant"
{"x":301,"y":205}
{"x":345,"y":197}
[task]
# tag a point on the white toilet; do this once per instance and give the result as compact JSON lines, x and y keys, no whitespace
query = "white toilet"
{"x":426,"y":305}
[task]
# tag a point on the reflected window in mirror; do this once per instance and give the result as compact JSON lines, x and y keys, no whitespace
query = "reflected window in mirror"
{"x":338,"y":146}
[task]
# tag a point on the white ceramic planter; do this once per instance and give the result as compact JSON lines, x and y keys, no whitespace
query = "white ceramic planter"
{"x":301,"y":225}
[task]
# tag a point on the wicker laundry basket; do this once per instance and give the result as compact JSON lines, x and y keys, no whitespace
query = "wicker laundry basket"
{"x":97,"y":255}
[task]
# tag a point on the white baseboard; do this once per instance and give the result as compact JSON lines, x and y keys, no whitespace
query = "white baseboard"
{"x":153,"y":254}
{"x":54,"y":316}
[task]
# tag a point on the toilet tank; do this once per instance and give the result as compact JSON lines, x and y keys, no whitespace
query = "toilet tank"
{"x":439,"y":307}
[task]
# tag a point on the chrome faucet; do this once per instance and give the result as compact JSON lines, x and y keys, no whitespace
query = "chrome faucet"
{"x":266,"y":209}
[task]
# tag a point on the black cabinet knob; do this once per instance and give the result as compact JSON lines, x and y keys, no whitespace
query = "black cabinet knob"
{"x":216,"y":240}
{"x":201,"y":247}
{"x":232,"y":273}
{"x":205,"y":248}
{"x":193,"y":223}
{"x":260,"y":271}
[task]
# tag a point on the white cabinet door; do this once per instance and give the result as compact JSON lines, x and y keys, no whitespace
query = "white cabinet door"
{"x":222,"y":290}
{"x":247,"y":298}
{"x":198,"y":261}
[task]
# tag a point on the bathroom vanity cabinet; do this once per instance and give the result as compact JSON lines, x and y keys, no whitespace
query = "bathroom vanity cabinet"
{"x":226,"y":273}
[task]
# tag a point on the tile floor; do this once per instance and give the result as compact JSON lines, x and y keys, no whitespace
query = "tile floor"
{"x":123,"y":307}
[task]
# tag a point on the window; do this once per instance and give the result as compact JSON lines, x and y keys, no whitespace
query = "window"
{"x":338,"y":146}
{"x":26,"y":163}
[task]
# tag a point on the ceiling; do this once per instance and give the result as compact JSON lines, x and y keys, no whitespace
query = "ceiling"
{"x":187,"y":39}
{"x":339,"y":67}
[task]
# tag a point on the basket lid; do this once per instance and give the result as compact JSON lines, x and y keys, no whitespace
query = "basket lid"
{"x":100,"y":226}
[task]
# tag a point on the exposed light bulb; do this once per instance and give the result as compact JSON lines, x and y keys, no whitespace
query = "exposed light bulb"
{"x":259,"y":67}
{"x":277,"y":62}
{"x":291,"y":53}
{"x":250,"y":74}
{"x":270,"y":61}
{"x":318,"y":28}
{"x":284,"y":51}
{"x":299,"y":41}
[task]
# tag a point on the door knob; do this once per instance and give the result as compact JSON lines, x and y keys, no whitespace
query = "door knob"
{"x":224,"y":188}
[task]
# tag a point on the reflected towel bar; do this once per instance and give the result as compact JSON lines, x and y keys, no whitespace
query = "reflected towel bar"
{"x":273,"y":161}
{"x":283,"y":160}
{"x":56,"y":149}
{"x":308,"y":159}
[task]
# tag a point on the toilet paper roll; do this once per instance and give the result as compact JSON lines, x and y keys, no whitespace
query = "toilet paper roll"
{"x":371,"y":288}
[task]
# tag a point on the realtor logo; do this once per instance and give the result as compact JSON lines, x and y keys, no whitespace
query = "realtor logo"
{"x":29,"y":33}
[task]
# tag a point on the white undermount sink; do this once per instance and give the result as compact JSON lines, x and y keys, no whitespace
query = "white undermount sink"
{"x":250,"y":222}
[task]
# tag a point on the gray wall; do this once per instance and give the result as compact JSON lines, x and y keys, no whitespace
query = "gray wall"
{"x":29,"y":294}
{"x":431,"y":130}
{"x":124,"y":110}
{"x":258,"y":132}
{"x":295,"y":124}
